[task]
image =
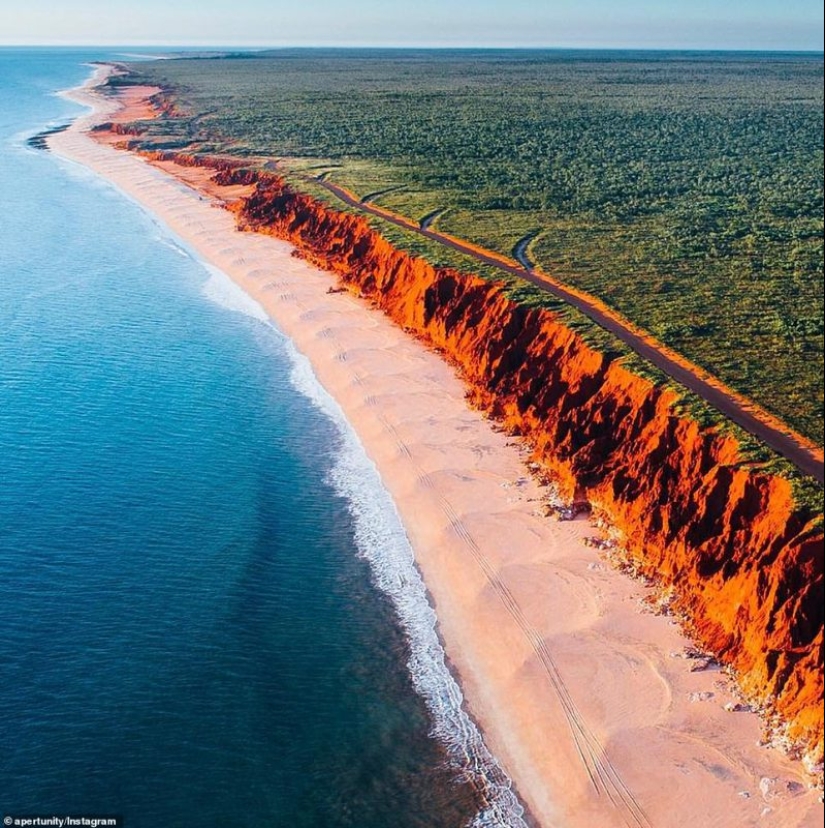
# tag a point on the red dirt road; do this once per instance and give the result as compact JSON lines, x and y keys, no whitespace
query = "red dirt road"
{"x":808,"y":459}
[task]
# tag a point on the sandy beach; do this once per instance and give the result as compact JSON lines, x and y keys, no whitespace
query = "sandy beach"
{"x":582,"y":694}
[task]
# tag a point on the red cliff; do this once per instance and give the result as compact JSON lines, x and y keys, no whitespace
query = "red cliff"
{"x":744,"y":563}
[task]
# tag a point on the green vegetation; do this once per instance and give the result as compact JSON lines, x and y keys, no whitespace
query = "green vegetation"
{"x":685,"y":190}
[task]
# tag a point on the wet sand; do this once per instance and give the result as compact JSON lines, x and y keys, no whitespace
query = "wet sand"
{"x":577,"y":688}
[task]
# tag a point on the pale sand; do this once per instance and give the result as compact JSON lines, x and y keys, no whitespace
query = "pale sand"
{"x":567,"y":677}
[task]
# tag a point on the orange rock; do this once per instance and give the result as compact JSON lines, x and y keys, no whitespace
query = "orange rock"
{"x":745,"y":563}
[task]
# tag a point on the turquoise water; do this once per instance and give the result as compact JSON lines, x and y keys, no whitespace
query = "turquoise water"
{"x":208,"y":612}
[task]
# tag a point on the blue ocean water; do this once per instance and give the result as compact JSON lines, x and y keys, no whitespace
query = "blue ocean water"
{"x":209,"y":615}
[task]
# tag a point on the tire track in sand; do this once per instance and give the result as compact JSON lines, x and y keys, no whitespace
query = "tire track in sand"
{"x":602,"y":773}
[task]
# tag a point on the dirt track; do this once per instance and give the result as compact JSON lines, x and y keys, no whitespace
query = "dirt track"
{"x":807,"y":459}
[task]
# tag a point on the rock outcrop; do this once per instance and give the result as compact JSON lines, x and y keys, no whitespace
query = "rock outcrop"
{"x":744,"y":563}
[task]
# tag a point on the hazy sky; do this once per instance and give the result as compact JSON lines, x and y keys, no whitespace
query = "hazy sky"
{"x":691,"y":24}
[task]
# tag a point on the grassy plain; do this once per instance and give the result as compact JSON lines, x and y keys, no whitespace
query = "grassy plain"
{"x":685,"y":190}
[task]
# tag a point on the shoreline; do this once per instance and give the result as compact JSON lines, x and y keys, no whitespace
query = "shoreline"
{"x":596,"y":725}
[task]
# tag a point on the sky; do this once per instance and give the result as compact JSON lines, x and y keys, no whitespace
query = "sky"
{"x":651,"y":24}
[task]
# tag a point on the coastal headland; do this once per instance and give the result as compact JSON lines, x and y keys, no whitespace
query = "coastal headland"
{"x":600,"y":708}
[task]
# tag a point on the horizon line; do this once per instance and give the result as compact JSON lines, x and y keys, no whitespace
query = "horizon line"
{"x":407,"y":47}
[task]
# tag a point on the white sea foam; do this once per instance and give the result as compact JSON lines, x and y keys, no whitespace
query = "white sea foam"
{"x":167,"y":241}
{"x":221,"y":290}
{"x":384,"y":544}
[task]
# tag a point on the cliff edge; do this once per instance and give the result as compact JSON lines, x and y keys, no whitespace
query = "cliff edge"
{"x":741,"y":562}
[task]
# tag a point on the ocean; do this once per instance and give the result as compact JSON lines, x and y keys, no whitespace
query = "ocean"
{"x":209,"y":612}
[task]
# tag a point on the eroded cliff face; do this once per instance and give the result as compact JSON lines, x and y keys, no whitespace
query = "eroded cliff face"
{"x":744,"y":565}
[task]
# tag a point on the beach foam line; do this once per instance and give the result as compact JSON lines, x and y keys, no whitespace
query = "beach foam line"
{"x":221,"y":290}
{"x":382,"y":541}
